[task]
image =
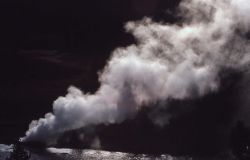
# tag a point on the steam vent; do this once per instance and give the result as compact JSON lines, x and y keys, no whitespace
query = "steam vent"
{"x":125,"y":79}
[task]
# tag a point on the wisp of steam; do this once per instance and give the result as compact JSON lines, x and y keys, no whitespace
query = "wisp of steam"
{"x":169,"y":61}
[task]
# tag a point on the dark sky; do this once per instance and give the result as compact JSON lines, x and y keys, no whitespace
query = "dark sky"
{"x":47,"y":45}
{"x":74,"y":25}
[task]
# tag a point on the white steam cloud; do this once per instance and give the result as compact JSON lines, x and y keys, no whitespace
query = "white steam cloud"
{"x":169,"y":62}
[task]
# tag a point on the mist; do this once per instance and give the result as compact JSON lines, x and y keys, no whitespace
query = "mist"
{"x":169,"y":61}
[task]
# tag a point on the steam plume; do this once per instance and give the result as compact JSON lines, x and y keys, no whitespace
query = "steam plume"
{"x":170,"y":61}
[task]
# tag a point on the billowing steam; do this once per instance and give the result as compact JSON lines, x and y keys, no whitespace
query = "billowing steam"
{"x":168,"y":62}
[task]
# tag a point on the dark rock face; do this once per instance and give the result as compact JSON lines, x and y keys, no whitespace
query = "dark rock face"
{"x":240,"y":140}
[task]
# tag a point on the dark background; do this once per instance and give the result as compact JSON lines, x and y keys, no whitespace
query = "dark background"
{"x":47,"y":45}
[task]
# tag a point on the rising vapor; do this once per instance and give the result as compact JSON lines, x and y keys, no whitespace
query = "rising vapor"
{"x":169,"y":61}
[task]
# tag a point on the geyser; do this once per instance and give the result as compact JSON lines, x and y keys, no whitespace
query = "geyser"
{"x":170,"y":61}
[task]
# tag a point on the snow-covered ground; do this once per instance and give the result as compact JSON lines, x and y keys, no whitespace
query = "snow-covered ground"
{"x":73,"y":154}
{"x":87,"y":154}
